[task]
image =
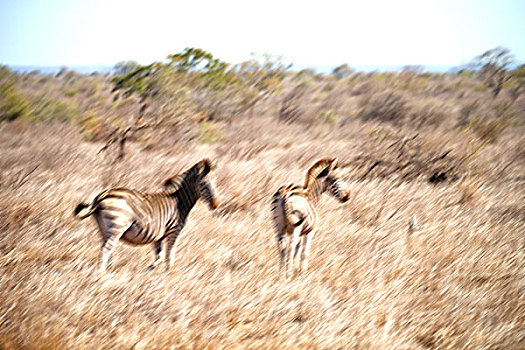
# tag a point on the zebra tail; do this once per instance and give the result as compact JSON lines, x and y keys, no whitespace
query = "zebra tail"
{"x":276,"y":198}
{"x":82,"y":213}
{"x":294,"y":217}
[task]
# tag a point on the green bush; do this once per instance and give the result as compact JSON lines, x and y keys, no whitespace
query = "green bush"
{"x":47,"y":110}
{"x":13,"y":104}
{"x":71,"y":92}
{"x":330,"y":117}
{"x":209,"y":133}
{"x":4,"y":72}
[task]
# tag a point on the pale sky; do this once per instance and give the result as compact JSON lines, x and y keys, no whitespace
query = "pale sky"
{"x":308,"y":33}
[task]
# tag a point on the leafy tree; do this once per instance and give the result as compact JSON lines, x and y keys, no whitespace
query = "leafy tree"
{"x":260,"y":78}
{"x":191,"y":59}
{"x":214,"y":72}
{"x":166,"y":90}
{"x":494,"y":66}
{"x":123,"y":68}
{"x":342,"y":71}
{"x":263,"y":73}
{"x":136,"y":82}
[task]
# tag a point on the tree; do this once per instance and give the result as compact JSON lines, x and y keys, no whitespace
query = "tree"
{"x":494,"y":66}
{"x":517,"y":82}
{"x":125,"y":67}
{"x":260,"y":78}
{"x":263,"y":73}
{"x":202,"y":69}
{"x":342,"y":71}
{"x":139,"y":82}
{"x":164,"y":89}
{"x":415,"y":69}
{"x":191,"y":59}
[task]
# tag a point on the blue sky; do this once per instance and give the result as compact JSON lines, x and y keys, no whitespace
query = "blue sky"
{"x":316,"y":33}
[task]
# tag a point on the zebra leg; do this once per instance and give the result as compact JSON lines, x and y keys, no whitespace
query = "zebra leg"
{"x":108,"y":246}
{"x":306,"y":250}
{"x":112,"y":225}
{"x":159,"y":254}
{"x":281,"y":249}
{"x":295,"y":243}
{"x":299,"y":254}
{"x":170,"y":249}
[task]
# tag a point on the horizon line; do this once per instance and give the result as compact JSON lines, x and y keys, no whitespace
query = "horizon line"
{"x":326,"y":69}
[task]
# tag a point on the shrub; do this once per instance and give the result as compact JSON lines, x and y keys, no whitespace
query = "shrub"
{"x":4,"y":72}
{"x":386,"y":107}
{"x":428,"y":114}
{"x":13,"y":104}
{"x":92,"y":128}
{"x":291,"y":109}
{"x":488,"y":131}
{"x":70,"y":92}
{"x":209,"y":133}
{"x":465,"y":113}
{"x":47,"y":110}
{"x":330,"y":117}
{"x":342,"y":71}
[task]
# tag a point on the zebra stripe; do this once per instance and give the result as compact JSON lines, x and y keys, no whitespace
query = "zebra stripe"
{"x":294,"y":212}
{"x":144,"y":218}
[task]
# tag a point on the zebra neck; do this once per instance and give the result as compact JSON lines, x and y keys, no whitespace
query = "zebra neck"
{"x":186,"y":197}
{"x":315,"y":191}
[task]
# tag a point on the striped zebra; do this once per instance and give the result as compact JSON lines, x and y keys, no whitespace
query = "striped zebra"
{"x":143,"y":218}
{"x":294,"y":212}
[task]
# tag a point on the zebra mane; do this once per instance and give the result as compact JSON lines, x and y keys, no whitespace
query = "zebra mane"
{"x":173,"y":183}
{"x":317,"y":170}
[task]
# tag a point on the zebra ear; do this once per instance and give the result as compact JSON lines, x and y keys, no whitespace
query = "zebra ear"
{"x":324,"y":172}
{"x":207,"y":166}
{"x":168,"y":182}
{"x":331,"y":166}
{"x":335,"y":164}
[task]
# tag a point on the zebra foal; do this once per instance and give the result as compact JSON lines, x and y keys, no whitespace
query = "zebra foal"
{"x":294,"y":211}
{"x":143,"y":218}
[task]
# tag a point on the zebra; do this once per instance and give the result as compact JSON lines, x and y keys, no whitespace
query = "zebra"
{"x":142,"y":218}
{"x":294,"y":212}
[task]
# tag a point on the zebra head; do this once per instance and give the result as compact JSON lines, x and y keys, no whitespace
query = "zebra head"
{"x":329,"y":179}
{"x":338,"y":188}
{"x":204,"y":187}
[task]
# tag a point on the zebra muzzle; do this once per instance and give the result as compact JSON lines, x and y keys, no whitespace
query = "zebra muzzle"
{"x":214,"y":203}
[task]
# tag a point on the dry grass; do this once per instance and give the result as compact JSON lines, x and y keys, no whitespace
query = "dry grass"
{"x":457,"y":281}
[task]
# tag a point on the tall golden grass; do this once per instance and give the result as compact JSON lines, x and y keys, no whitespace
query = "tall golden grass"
{"x":455,"y":282}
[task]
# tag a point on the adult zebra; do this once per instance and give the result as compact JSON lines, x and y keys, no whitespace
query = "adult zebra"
{"x":294,"y":212}
{"x":143,"y":218}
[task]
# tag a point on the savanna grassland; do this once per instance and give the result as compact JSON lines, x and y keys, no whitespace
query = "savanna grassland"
{"x":443,"y":151}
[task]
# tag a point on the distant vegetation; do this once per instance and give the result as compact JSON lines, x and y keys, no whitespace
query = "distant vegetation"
{"x":194,"y":87}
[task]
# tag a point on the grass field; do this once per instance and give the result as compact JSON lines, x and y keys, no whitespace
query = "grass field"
{"x":455,"y":282}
